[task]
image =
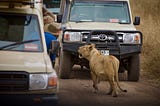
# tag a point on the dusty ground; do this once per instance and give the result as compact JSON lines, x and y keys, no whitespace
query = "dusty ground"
{"x":78,"y":91}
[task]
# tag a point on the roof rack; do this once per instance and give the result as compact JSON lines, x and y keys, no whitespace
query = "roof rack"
{"x":11,"y":3}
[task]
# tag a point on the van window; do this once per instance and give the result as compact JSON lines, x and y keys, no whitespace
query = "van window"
{"x":20,"y":32}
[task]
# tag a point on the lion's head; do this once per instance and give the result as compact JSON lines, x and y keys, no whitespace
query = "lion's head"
{"x":84,"y":51}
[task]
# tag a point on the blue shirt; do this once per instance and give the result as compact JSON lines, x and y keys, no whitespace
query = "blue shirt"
{"x":49,"y":37}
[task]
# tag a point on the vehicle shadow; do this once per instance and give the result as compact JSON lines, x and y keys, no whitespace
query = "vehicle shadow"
{"x":84,"y":73}
{"x":79,"y":72}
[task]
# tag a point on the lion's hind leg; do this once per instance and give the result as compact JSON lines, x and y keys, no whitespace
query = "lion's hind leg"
{"x":113,"y":87}
{"x":110,"y":91}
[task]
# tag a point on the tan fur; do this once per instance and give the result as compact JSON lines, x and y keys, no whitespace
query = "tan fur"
{"x":102,"y":67}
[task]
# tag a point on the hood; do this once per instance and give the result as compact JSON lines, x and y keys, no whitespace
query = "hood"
{"x":22,"y":61}
{"x":100,"y":26}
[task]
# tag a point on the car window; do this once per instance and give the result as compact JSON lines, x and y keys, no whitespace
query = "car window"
{"x":19,"y":28}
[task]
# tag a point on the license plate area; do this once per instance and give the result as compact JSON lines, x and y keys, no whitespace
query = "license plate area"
{"x":105,"y":52}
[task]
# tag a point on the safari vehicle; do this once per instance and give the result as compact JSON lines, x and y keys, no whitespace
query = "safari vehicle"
{"x":106,"y":23}
{"x":26,"y":72}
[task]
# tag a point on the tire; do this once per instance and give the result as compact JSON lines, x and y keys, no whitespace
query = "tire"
{"x":66,"y":64}
{"x":134,"y":68}
{"x":56,"y":66}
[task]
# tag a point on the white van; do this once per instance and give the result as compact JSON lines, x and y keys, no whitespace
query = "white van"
{"x":26,"y":72}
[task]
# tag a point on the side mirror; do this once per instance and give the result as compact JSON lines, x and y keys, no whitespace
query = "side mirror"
{"x":137,"y":20}
{"x":59,"y":18}
{"x":55,"y":46}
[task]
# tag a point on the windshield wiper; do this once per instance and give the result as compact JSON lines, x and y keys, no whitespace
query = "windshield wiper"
{"x":18,"y":43}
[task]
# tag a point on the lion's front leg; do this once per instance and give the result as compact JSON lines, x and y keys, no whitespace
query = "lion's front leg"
{"x":95,"y":82}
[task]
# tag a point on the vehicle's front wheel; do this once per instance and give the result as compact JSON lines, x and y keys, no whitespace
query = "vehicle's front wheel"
{"x":134,"y":68}
{"x":66,"y":64}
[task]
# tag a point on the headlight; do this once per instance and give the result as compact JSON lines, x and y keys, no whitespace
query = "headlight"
{"x":132,"y":38}
{"x":42,"y":81}
{"x":72,"y":36}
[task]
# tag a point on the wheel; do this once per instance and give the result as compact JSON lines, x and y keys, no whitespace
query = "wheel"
{"x":56,"y":66}
{"x":134,"y":68}
{"x":66,"y":64}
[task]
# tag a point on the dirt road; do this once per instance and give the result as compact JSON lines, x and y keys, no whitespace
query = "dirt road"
{"x":78,"y":91}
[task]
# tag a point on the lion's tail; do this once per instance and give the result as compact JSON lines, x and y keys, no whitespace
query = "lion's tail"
{"x":116,"y":67}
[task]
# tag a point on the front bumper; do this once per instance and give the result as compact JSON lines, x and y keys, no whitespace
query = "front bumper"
{"x":123,"y":51}
{"x":29,"y":99}
{"x":116,"y":46}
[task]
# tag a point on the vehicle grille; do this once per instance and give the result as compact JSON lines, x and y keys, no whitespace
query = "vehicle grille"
{"x":102,"y":37}
{"x":14,"y":81}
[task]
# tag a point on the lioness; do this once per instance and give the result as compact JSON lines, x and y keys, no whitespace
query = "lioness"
{"x":102,"y":67}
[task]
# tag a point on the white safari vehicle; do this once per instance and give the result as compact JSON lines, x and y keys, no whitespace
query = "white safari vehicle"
{"x":106,"y":23}
{"x":26,"y":72}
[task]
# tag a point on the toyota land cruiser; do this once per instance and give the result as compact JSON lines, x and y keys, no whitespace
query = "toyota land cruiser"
{"x":106,"y":23}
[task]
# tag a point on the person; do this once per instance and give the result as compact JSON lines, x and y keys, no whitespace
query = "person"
{"x":51,"y":32}
{"x":48,"y":16}
{"x":48,"y":19}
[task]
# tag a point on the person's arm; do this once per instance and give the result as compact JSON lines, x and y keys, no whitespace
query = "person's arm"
{"x":46,"y":12}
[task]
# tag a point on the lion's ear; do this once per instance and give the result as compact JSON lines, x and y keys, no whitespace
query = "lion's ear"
{"x":93,"y":45}
{"x":90,"y":48}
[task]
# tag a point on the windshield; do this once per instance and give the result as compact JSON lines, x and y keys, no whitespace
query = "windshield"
{"x":19,"y":33}
{"x":52,"y":5}
{"x":116,"y":12}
